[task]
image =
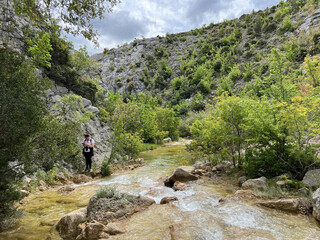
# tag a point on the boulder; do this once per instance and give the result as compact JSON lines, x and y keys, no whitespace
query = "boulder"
{"x":241,"y":180}
{"x":224,"y":166}
{"x":114,"y":229}
{"x":166,"y":200}
{"x":179,"y":186}
{"x":167,"y":140}
{"x":91,"y":231}
{"x":288,"y":205}
{"x":257,"y":183}
{"x":81,"y":178}
{"x":68,"y":225}
{"x":316,"y":204}
{"x":182,"y":174}
{"x":312,"y":178}
{"x":113,"y":208}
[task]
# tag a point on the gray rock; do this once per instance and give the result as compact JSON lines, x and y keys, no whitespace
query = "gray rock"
{"x":223,"y":166}
{"x":55,"y":99}
{"x":312,"y":178}
{"x":26,"y":180}
{"x":67,"y":226}
{"x":316,"y":204}
{"x":182,"y":174}
{"x":110,"y":209}
{"x":86,"y":102}
{"x":257,"y":183}
{"x":241,"y":180}
{"x":92,"y":109}
{"x":281,"y":183}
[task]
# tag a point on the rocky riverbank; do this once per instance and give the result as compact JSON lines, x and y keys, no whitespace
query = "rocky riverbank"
{"x":108,"y":208}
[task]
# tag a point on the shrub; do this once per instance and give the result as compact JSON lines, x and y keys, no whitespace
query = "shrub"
{"x":108,"y":192}
{"x":111,"y":67}
{"x":105,"y":168}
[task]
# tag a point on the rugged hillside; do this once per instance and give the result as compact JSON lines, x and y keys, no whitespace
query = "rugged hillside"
{"x":178,"y":66}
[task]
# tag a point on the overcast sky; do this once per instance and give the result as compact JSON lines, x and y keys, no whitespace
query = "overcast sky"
{"x":148,"y":18}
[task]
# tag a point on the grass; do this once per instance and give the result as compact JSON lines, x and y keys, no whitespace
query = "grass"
{"x":270,"y":192}
{"x":108,"y":192}
{"x":148,"y":146}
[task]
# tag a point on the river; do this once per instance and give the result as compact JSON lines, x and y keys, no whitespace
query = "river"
{"x":197,"y":215}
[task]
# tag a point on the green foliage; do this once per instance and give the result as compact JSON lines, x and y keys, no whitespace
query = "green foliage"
{"x":81,"y":61}
{"x":108,"y":192}
{"x":66,"y":69}
{"x":40,"y":49}
{"x":286,"y":25}
{"x":105,"y":168}
{"x":30,"y":139}
{"x":222,"y":133}
{"x":283,"y":10}
{"x":139,"y":119}
{"x":74,"y":16}
{"x":160,"y":52}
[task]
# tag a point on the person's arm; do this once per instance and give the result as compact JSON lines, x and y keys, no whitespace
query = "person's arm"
{"x":92,"y":144}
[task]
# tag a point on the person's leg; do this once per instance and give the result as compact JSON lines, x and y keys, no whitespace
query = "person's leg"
{"x":90,"y":162}
{"x":88,"y":159}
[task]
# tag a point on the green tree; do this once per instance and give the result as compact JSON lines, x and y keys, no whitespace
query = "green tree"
{"x":40,"y":50}
{"x":22,"y":111}
{"x":73,"y":15}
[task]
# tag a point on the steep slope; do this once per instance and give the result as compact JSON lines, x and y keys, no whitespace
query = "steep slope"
{"x":212,"y":59}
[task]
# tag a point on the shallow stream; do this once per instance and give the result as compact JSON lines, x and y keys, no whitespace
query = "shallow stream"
{"x":197,"y":215}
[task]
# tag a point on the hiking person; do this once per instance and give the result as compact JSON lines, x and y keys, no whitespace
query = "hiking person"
{"x":88,"y":145}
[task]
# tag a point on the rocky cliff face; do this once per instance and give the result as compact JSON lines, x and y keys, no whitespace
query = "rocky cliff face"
{"x":132,"y":67}
{"x":98,"y":130}
{"x":121,"y":69}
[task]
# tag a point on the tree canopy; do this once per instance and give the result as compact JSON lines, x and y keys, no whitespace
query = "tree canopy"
{"x":73,"y":15}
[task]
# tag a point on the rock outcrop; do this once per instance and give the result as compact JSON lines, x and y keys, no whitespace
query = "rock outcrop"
{"x":99,"y":131}
{"x":106,"y":210}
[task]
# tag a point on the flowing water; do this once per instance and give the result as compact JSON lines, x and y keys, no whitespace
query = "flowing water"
{"x":196,"y":215}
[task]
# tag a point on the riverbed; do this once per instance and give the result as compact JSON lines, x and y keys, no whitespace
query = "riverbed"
{"x":196,"y":215}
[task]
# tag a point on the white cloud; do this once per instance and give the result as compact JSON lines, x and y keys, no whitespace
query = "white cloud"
{"x":133,"y":19}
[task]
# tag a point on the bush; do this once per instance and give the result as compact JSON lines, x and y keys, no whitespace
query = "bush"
{"x":108,"y":192}
{"x":105,"y":168}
